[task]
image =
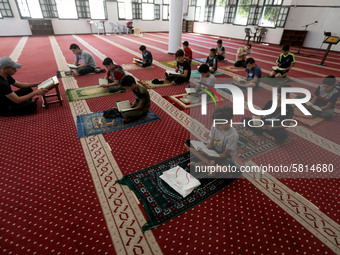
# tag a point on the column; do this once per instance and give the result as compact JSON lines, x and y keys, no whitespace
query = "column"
{"x":175,"y":25}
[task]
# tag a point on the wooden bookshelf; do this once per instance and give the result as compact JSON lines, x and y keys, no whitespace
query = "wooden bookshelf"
{"x":293,"y":37}
{"x":188,"y":26}
{"x":41,"y":27}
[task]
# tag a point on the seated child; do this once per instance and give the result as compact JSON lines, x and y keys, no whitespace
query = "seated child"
{"x":146,"y":57}
{"x":206,"y":77}
{"x":116,"y":73}
{"x":87,"y":63}
{"x":222,"y":139}
{"x":254,"y":74}
{"x":183,"y":68}
{"x":220,"y":50}
{"x":274,"y":131}
{"x":241,"y":56}
{"x":325,"y":97}
{"x":187,"y":52}
{"x":286,"y":61}
{"x":142,"y":104}
{"x":212,"y":60}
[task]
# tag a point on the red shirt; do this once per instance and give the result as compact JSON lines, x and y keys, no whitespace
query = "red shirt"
{"x":188,"y":54}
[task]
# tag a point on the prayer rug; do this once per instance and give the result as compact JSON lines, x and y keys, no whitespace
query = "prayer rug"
{"x":251,"y":144}
{"x":184,"y":101}
{"x":275,"y":81}
{"x":160,"y":201}
{"x":200,"y":60}
{"x":87,"y":92}
{"x":298,"y":115}
{"x":67,"y":74}
{"x":131,"y":67}
{"x":233,"y":68}
{"x":195,"y":74}
{"x":94,"y":123}
{"x":173,"y":64}
{"x":149,"y":85}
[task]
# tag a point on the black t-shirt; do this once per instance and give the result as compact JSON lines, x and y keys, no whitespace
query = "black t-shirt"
{"x":5,"y":89}
{"x":277,"y":113}
{"x":184,"y":66}
{"x":147,"y":56}
{"x":325,"y":97}
{"x":211,"y":61}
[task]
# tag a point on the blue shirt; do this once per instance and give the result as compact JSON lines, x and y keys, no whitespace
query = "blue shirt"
{"x":254,"y":72}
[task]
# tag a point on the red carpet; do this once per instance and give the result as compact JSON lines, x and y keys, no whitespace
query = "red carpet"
{"x":50,"y":203}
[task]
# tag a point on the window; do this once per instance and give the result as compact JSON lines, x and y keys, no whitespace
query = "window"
{"x":125,"y":10}
{"x":97,"y":9}
{"x":192,"y":2}
{"x":199,"y":10}
{"x":219,"y":11}
{"x":49,"y":8}
{"x":209,"y":9}
{"x":270,"y":14}
{"x":242,"y":12}
{"x":148,"y":12}
{"x":148,"y":1}
{"x":254,"y":15}
{"x":34,"y":9}
{"x":230,"y":11}
{"x":136,"y":10}
{"x":83,"y":9}
{"x":5,"y":9}
{"x":23,"y":8}
{"x":157,"y":11}
{"x":282,"y":16}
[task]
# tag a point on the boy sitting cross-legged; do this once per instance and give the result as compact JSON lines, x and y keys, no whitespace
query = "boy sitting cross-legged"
{"x":183,"y":69}
{"x":116,"y":73}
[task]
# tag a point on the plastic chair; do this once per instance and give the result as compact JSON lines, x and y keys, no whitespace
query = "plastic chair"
{"x":114,"y":27}
{"x":122,"y":28}
{"x":247,"y":31}
{"x":100,"y":27}
{"x":137,"y":31}
{"x":263,"y":32}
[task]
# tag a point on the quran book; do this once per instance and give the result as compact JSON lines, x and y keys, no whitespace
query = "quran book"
{"x":172,"y":72}
{"x":49,"y":83}
{"x":315,"y":107}
{"x":190,"y":90}
{"x":72,"y":66}
{"x":124,"y":106}
{"x":103,"y":81}
{"x":200,"y":146}
{"x":278,"y":68}
{"x":138,"y":60}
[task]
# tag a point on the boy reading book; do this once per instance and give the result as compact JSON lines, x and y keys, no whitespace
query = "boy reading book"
{"x":220,"y":51}
{"x":212,"y":60}
{"x":254,"y":74}
{"x":222,"y":140}
{"x":141,"y":106}
{"x":241,"y":56}
{"x":187,"y":52}
{"x":325,"y":97}
{"x":285,"y":62}
{"x":19,"y":102}
{"x":146,"y":57}
{"x":183,"y":70}
{"x":274,"y":131}
{"x":87,"y":63}
{"x":206,"y":79}
{"x":114,"y":76}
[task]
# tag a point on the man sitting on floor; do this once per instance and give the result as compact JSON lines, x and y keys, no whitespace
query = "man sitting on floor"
{"x":241,"y":56}
{"x":87,"y":63}
{"x":187,"y":52}
{"x":254,"y":74}
{"x":19,"y":102}
{"x":220,"y":51}
{"x":141,"y":106}
{"x":273,"y":129}
{"x":285,"y":62}
{"x":325,"y":98}
{"x":212,"y":60}
{"x":116,"y":73}
{"x":222,"y":139}
{"x":147,"y":57}
{"x":183,"y":69}
{"x":207,"y":78}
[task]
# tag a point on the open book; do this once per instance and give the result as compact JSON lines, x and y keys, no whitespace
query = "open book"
{"x":72,"y":66}
{"x":257,"y":121}
{"x":180,"y":180}
{"x":138,"y":60}
{"x":315,"y":107}
{"x":124,"y":106}
{"x":190,"y":90}
{"x":200,"y":146}
{"x":172,"y":72}
{"x":241,"y":79}
{"x":103,"y":81}
{"x":49,"y":83}
{"x":278,"y":68}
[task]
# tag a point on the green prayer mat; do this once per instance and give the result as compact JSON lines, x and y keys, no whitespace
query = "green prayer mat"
{"x":87,"y":92}
{"x":173,"y":64}
{"x":160,"y":201}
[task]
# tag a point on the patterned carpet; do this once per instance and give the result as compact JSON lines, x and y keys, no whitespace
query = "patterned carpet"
{"x":58,"y":193}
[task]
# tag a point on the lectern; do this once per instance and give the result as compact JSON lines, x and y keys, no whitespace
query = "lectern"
{"x":330,"y":40}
